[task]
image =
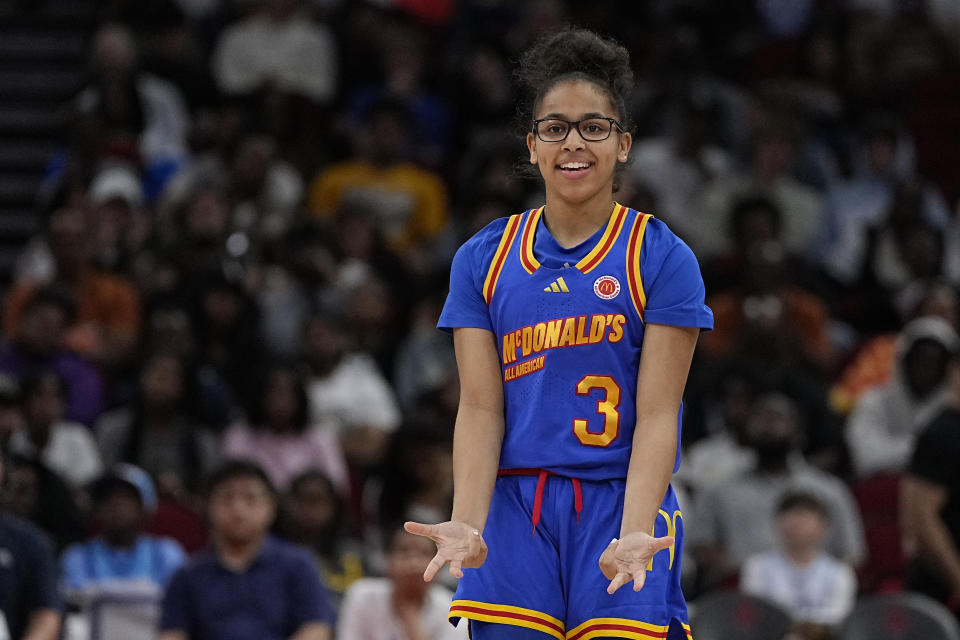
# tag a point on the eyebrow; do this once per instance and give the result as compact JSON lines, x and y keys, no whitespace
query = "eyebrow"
{"x":562,"y":116}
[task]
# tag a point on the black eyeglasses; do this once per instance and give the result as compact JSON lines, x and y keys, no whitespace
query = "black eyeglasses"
{"x":590,"y":129}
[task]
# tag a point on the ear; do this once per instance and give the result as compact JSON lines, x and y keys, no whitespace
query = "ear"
{"x":626,"y":142}
{"x":532,"y":147}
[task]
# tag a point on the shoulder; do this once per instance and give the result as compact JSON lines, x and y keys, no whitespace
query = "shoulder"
{"x":366,"y":589}
{"x":279,"y":553}
{"x":658,"y":238}
{"x":24,"y":535}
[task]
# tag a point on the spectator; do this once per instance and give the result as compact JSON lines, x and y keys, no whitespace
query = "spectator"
{"x":247,"y":585}
{"x":141,"y":118}
{"x":121,"y":556}
{"x":875,"y":361}
{"x":39,"y":345}
{"x":67,"y":448}
{"x":883,"y":426}
{"x":930,"y":506}
{"x":277,"y":45}
{"x":157,"y":432}
{"x":338,"y":378}
{"x":107,"y":320}
{"x":29,"y":601}
{"x":316,"y":518}
{"x":773,"y":151}
{"x":734,"y":519}
{"x":676,"y":167}
{"x":38,"y":495}
{"x":281,"y":436}
{"x":400,"y":606}
{"x":818,"y":590}
{"x":410,"y":203}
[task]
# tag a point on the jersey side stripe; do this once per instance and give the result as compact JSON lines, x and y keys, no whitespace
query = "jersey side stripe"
{"x":603,"y":247}
{"x":529,"y":261}
{"x":634,"y":278}
{"x":496,"y":265}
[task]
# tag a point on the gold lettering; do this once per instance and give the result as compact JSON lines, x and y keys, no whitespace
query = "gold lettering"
{"x":552,"y":338}
{"x":539,"y":332}
{"x":617,"y":333}
{"x":509,"y":348}
{"x":581,"y":327}
{"x":569,"y":337}
{"x":526,"y":341}
{"x":598,"y":326}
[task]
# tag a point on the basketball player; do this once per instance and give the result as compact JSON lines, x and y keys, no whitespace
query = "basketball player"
{"x":574,"y":326}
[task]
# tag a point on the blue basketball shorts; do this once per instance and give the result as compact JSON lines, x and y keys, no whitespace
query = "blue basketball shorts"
{"x":545,"y":534}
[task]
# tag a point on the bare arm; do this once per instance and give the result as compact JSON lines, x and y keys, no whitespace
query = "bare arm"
{"x":44,"y":625}
{"x":922,"y":501}
{"x":664,"y":365}
{"x":312,"y":631}
{"x":478,"y":435}
{"x":477,"y":439}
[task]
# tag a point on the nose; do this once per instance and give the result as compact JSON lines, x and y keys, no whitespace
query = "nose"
{"x":574,"y":140}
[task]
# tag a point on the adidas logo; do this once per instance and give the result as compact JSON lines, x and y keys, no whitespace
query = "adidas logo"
{"x":557,"y":286}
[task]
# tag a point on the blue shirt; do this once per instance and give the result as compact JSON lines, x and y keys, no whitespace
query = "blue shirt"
{"x":96,"y":563}
{"x":569,"y":325}
{"x":278,"y":593}
{"x":28,"y":574}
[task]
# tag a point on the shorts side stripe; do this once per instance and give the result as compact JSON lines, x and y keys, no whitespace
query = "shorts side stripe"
{"x":617,"y":628}
{"x":507,"y":614}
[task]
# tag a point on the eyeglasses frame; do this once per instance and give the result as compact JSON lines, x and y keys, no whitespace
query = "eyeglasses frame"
{"x":571,"y":124}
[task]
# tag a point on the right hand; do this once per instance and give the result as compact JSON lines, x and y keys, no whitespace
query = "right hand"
{"x":457,"y":543}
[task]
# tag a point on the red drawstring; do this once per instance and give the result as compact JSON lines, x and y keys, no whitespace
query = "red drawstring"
{"x":577,"y":497}
{"x":538,"y":494}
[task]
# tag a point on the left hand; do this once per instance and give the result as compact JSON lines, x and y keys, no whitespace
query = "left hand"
{"x":626,"y":559}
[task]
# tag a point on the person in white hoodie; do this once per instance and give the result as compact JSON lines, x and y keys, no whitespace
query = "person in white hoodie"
{"x":883,"y":426}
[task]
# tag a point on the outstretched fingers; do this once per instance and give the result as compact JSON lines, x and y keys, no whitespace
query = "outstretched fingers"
{"x":426,"y":530}
{"x":435,"y":565}
{"x":456,"y":568}
{"x":618,"y":581}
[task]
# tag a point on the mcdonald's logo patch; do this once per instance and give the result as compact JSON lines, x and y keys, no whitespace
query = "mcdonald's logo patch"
{"x":606,"y":287}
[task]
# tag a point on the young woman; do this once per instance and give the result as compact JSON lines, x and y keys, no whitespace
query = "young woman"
{"x":574,"y":326}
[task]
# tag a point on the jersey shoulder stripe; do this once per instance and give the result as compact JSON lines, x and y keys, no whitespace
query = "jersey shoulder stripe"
{"x":527,"y":258}
{"x":500,"y":256}
{"x":634,"y":275}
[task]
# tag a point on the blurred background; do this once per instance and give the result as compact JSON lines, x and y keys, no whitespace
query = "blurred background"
{"x":226,"y":229}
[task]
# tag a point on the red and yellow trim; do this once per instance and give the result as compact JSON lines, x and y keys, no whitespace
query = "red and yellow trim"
{"x":527,"y":259}
{"x":506,"y":614}
{"x":599,"y":252}
{"x":634,"y":278}
{"x":500,"y":257}
{"x":622,"y":628}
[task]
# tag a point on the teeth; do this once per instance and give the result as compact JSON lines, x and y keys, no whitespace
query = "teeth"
{"x":574,"y":165}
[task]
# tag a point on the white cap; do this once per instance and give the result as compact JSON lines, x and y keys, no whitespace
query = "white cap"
{"x":116,"y":182}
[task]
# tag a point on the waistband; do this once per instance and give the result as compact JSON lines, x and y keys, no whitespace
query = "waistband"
{"x":538,"y":495}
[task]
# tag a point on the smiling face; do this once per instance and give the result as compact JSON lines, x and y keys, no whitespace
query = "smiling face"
{"x":577,"y":171}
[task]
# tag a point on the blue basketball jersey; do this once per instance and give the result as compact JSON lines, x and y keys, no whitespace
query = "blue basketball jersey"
{"x":570,"y":333}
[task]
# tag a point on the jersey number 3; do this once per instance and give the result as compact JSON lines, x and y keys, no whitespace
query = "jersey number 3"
{"x":608,"y":407}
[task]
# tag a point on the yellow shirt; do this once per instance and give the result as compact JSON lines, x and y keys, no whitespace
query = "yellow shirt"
{"x":408,"y":203}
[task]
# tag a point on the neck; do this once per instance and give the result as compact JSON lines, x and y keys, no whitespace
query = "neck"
{"x":121,"y":539}
{"x":572,"y":223}
{"x":802,"y":557}
{"x":237,"y":554}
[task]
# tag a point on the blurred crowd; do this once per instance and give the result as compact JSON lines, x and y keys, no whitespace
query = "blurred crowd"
{"x":246,"y":241}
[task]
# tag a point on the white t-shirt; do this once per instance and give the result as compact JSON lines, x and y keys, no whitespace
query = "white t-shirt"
{"x":366,"y":613}
{"x":355,"y":394}
{"x":71,"y":452}
{"x":823,"y":593}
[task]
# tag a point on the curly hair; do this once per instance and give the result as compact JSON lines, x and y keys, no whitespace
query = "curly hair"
{"x":575,"y":54}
